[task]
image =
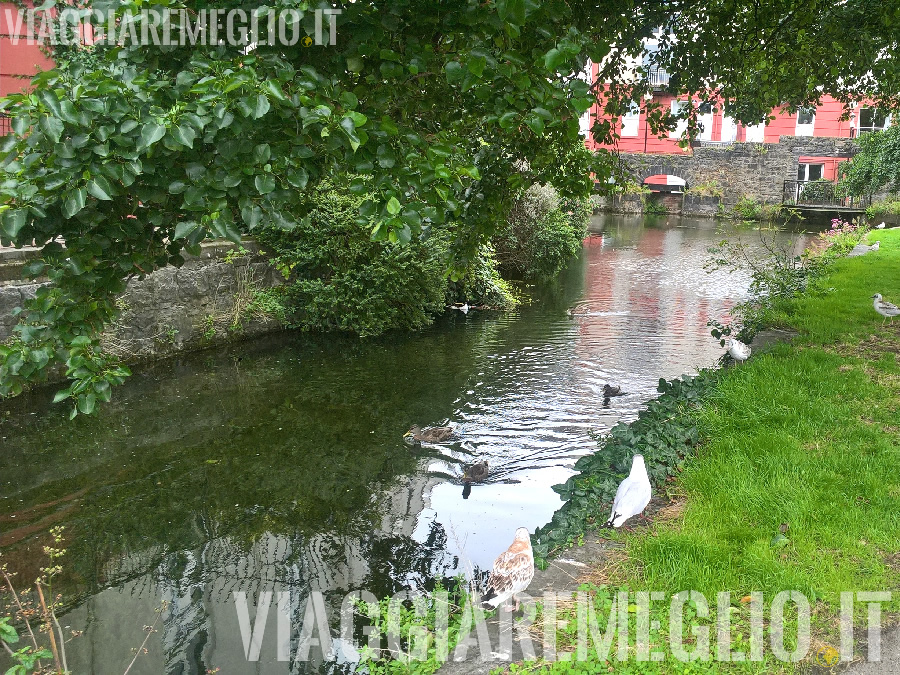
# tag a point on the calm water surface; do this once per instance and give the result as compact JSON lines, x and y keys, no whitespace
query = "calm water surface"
{"x":279,"y":464}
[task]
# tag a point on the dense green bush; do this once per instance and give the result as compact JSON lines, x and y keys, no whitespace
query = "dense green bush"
{"x":817,"y":192}
{"x":340,"y":279}
{"x":542,"y":233}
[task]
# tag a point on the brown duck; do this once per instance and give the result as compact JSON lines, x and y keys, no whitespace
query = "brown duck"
{"x":430,"y":435}
{"x":477,"y":472}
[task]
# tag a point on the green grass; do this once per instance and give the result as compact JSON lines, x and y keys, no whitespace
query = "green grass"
{"x":807,"y":435}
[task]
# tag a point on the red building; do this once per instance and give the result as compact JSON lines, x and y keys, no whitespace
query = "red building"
{"x":824,"y":120}
{"x":19,"y":60}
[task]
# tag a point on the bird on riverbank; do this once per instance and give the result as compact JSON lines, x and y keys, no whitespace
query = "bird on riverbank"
{"x":880,"y":226}
{"x":477,"y":472}
{"x":738,"y":350}
{"x":887,"y":309}
{"x":609,"y":390}
{"x":512,"y":573}
{"x":429,"y":435}
{"x":464,"y":307}
{"x":862,"y":249}
{"x":633,"y":494}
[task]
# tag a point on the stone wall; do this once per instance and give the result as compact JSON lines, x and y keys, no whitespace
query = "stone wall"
{"x":630,"y":203}
{"x":668,"y":202}
{"x":756,"y":170}
{"x":702,"y":207}
{"x":207,"y":301}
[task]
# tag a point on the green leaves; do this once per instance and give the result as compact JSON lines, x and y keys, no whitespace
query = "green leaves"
{"x":262,"y":106}
{"x":184,"y":134}
{"x":184,"y":228}
{"x":7,"y":633}
{"x":13,"y":220}
{"x":52,"y":127}
{"x":74,"y":201}
{"x":512,"y":11}
{"x":393,"y":206}
{"x":100,"y":188}
{"x":264,"y":183}
{"x":455,"y":72}
{"x":554,"y":58}
{"x":151,"y":132}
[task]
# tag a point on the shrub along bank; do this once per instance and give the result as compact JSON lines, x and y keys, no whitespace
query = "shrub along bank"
{"x":340,"y":279}
{"x":792,"y":480}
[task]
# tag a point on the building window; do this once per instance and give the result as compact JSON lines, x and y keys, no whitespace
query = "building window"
{"x":873,"y":119}
{"x":705,"y":120}
{"x":806,"y":116}
{"x":630,"y":120}
{"x":809,"y":172}
{"x":806,"y":119}
{"x":681,"y":127}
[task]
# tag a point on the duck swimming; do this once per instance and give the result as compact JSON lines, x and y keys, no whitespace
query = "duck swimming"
{"x":477,"y":472}
{"x":428,"y":435}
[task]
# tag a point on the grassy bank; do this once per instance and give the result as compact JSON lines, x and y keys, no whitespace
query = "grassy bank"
{"x":793,"y":484}
{"x":806,"y":434}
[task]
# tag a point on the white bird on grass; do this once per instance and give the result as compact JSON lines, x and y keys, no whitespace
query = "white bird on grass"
{"x":738,"y":350}
{"x":862,"y":249}
{"x":880,"y":226}
{"x":887,"y":309}
{"x":633,"y":494}
{"x":512,"y":573}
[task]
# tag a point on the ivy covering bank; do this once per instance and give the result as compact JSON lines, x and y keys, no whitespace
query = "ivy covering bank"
{"x":665,"y":433}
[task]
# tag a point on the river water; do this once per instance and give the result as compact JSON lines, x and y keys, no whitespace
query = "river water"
{"x":279,"y":464}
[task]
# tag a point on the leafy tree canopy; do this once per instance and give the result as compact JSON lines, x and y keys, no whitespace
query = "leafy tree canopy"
{"x":132,"y":154}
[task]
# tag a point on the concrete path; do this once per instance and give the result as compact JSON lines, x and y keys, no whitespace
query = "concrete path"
{"x":890,"y":658}
{"x":510,"y":640}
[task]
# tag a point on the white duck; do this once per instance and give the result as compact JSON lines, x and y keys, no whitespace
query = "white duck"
{"x":512,"y":573}
{"x":738,"y":350}
{"x":880,"y":225}
{"x":887,"y":309}
{"x":633,"y":494}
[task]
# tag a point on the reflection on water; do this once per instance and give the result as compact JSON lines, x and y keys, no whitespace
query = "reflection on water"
{"x":279,"y":464}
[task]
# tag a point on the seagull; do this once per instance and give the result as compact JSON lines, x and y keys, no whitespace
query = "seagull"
{"x":862,"y":249}
{"x":512,"y":573}
{"x":633,"y":494}
{"x":464,"y":308}
{"x":738,"y":350}
{"x":880,"y":226}
{"x":887,"y":309}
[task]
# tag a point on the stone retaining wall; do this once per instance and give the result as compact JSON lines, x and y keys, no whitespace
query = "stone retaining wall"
{"x":755,"y":170}
{"x":207,"y":301}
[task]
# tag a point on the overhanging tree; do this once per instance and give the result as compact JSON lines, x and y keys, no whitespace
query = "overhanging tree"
{"x":133,"y":154}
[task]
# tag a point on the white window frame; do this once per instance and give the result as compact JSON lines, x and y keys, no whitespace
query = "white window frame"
{"x":755,"y":133}
{"x":706,"y":122}
{"x":805,"y":129}
{"x":729,"y":129}
{"x":679,"y":130}
{"x":869,"y":129}
{"x":804,"y":169}
{"x":631,"y":121}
